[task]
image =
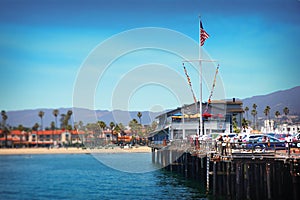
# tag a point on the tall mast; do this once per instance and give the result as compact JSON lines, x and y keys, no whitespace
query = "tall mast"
{"x":200,"y":92}
{"x":202,"y":37}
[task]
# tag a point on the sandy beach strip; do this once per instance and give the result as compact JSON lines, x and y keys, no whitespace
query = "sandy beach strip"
{"x":26,"y":151}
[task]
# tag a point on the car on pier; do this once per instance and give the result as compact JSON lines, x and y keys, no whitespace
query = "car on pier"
{"x":265,"y":143}
{"x":251,"y":137}
{"x":296,"y":137}
{"x":283,"y":136}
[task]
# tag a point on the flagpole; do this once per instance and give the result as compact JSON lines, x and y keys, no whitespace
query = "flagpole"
{"x":200,"y":69}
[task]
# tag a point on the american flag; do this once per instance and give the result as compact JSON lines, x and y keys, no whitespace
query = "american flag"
{"x":203,"y":34}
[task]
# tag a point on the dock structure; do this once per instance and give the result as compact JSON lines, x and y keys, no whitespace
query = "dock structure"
{"x":240,"y":174}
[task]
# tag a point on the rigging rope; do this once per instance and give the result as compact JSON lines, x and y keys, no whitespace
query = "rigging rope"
{"x":189,"y":82}
{"x":212,"y":89}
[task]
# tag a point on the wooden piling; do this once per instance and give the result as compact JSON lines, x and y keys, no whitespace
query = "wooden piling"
{"x":237,"y":178}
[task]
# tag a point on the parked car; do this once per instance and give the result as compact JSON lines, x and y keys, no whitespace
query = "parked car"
{"x":260,"y":144}
{"x":251,"y":137}
{"x":296,"y":137}
{"x":282,"y":136}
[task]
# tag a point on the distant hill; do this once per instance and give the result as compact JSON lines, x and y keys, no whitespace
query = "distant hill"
{"x":29,"y":117}
{"x":277,"y":101}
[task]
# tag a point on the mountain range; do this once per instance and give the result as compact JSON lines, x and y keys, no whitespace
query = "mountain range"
{"x":276,"y":101}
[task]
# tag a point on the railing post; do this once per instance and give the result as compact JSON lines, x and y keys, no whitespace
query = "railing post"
{"x":289,"y":149}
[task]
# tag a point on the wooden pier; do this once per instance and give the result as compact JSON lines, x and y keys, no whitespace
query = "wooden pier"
{"x":239,"y":175}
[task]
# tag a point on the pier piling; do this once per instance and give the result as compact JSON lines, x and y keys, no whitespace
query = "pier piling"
{"x":241,"y":176}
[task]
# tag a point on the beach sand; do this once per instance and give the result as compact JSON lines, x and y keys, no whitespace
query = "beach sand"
{"x":25,"y":151}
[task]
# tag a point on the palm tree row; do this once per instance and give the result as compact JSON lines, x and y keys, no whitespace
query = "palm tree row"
{"x":134,"y":125}
{"x":266,"y":111}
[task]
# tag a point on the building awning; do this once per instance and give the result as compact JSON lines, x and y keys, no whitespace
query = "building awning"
{"x":163,"y":131}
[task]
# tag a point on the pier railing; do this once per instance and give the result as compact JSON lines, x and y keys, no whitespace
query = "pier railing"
{"x":228,"y":149}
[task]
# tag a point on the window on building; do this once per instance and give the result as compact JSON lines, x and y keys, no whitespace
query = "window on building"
{"x":178,"y":134}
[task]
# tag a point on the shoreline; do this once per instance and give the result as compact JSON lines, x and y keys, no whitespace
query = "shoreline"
{"x":73,"y":150}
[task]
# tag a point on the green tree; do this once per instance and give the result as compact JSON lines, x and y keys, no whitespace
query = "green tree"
{"x":267,"y":112}
{"x":133,"y":124}
{"x":246,"y":110}
{"x":244,"y":124}
{"x":121,"y":126}
{"x":254,"y":113}
{"x":21,"y":128}
{"x":62,"y":121}
{"x":277,"y":114}
{"x":235,"y":126}
{"x":36,"y":129}
{"x":102,"y":125}
{"x":4,"y":126}
{"x":286,"y":111}
{"x":65,"y":118}
{"x":112,"y":125}
{"x":52,"y":126}
{"x":41,"y":115}
{"x":139,"y":115}
{"x":117,"y":130}
{"x":55,"y":113}
{"x":69,"y":114}
{"x":154,"y":126}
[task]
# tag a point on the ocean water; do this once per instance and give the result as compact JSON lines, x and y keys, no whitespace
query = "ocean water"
{"x":85,"y":176}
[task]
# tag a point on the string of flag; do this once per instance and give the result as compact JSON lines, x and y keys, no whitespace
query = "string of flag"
{"x":212,"y":89}
{"x":189,"y":82}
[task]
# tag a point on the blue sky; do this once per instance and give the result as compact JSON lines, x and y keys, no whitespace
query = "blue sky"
{"x":44,"y":44}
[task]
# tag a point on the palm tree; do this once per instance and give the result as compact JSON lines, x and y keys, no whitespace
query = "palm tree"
{"x":277,"y":113}
{"x":246,"y":110}
{"x":36,"y":128}
{"x":21,"y":128}
{"x":55,"y":113}
{"x":112,"y":125}
{"x":133,"y":124}
{"x":41,"y":115}
{"x":244,"y":124}
{"x":139,"y":115}
{"x":52,"y":125}
{"x":286,"y":112}
{"x":102,"y":126}
{"x":69,"y":114}
{"x":267,"y":112}
{"x":4,"y":128}
{"x":117,"y":130}
{"x":254,"y":113}
{"x":65,"y":119}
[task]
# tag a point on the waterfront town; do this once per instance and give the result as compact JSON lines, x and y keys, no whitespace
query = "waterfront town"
{"x":220,"y":118}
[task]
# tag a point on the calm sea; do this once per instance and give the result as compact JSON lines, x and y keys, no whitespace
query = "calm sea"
{"x":83,"y":176}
